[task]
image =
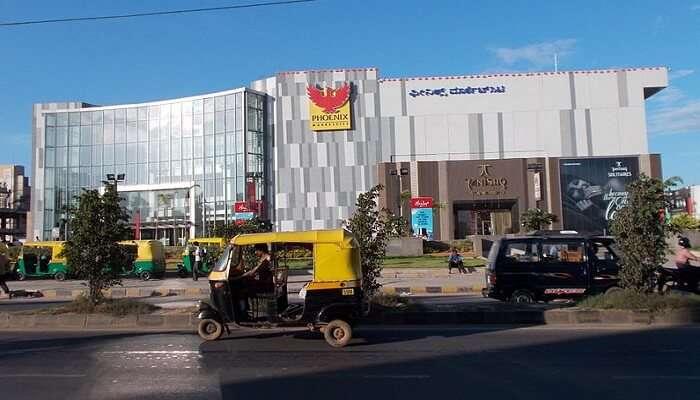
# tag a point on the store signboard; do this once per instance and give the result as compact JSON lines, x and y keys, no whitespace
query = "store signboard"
{"x":329,"y":109}
{"x":242,"y":211}
{"x":422,"y":217}
{"x":593,"y":190}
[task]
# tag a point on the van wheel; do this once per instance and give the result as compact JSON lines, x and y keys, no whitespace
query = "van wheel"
{"x":613,"y":289}
{"x":522,"y":297}
{"x":337,"y":333}
{"x":60,"y":276}
{"x":209,"y":329}
{"x":145,"y":276}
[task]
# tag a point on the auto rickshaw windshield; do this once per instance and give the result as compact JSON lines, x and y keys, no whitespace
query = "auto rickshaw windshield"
{"x":222,"y":262}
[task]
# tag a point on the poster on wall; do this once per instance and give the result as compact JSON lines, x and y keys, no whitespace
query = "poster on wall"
{"x":593,"y":190}
{"x":422,"y":217}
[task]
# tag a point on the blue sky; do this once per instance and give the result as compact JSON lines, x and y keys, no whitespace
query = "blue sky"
{"x":141,"y":59}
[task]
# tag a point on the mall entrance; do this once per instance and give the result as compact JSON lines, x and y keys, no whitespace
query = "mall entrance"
{"x":485,"y":217}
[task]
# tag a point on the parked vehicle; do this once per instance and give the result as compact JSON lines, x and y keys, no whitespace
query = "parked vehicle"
{"x":552,"y":265}
{"x":150,"y":259}
{"x":332,"y":299}
{"x":212,"y":246}
{"x":42,"y":260}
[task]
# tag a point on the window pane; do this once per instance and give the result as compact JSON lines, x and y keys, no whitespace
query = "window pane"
{"x":62,"y":136}
{"x":230,"y":167}
{"x":120,"y":154}
{"x":109,"y":134}
{"x":131,"y":115}
{"x":143,"y":113}
{"x":230,"y":101}
{"x":74,"y":136}
{"x":220,"y":122}
{"x":219,"y":167}
{"x":187,"y":170}
{"x":176,"y":153}
{"x":74,"y":118}
{"x":187,"y":148}
{"x":131,"y":132}
{"x":62,"y":119}
{"x":153,"y":173}
{"x":143,"y":131}
{"x":108,"y":154}
{"x":61,"y":157}
{"x":132,"y":174}
{"x":131,"y":153}
{"x":74,"y":156}
{"x":97,"y":155}
{"x":50,"y":119}
{"x":164,"y":172}
{"x":85,"y":118}
{"x":220,"y":103}
{"x":209,"y":105}
{"x":164,"y":128}
{"x":198,"y":169}
{"x":119,"y":115}
{"x":119,"y":133}
{"x":198,"y":147}
{"x":109,"y":117}
{"x":208,"y":146}
{"x":97,"y":117}
{"x":50,"y":158}
{"x":563,"y":252}
{"x":97,"y":134}
{"x":209,"y":123}
{"x":230,"y":120}
{"x":209,"y":168}
{"x":522,"y":252}
{"x":230,"y":143}
{"x":50,"y":137}
{"x":86,"y":135}
{"x":187,"y":125}
{"x":153,"y":149}
{"x":175,"y":170}
{"x":143,"y":174}
{"x":219,"y":145}
{"x":165,"y":150}
{"x":143,"y":152}
{"x":85,"y":156}
{"x":97,"y":176}
{"x":153,"y":112}
{"x":49,"y":176}
{"x":197,"y":125}
{"x":153,"y":129}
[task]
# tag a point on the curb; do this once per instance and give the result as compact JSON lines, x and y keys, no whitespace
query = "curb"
{"x":135,"y":292}
{"x":188,"y":322}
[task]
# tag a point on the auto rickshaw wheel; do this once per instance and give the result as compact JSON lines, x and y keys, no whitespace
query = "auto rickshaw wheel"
{"x":21,"y":276}
{"x":145,"y":276}
{"x":337,"y":333}
{"x":60,"y":276}
{"x":209,"y":329}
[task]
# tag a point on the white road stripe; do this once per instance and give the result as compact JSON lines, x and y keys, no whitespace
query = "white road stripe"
{"x":43,"y":375}
{"x":396,"y":376}
{"x":152,"y":352}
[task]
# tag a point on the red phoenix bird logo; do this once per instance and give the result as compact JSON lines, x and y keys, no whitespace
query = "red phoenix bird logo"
{"x":332,"y":100}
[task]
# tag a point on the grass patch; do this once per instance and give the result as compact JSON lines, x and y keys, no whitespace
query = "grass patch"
{"x":114,"y":307}
{"x":630,"y":300}
{"x":427,"y":261}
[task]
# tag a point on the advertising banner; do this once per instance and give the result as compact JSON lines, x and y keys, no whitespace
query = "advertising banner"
{"x":329,"y":109}
{"x":242,"y":211}
{"x":593,"y":190}
{"x":422,"y":217}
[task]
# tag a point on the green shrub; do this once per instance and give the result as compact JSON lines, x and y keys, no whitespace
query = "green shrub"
{"x":634,"y":300}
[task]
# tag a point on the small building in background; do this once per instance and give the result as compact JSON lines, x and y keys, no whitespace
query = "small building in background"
{"x":14,"y":202}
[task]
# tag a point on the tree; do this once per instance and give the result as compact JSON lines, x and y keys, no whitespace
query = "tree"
{"x":93,"y":252}
{"x":370,"y":227}
{"x":641,"y":233}
{"x":534,"y":219}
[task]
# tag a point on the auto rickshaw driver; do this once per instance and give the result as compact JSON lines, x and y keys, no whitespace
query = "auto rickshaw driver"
{"x":246,"y":285}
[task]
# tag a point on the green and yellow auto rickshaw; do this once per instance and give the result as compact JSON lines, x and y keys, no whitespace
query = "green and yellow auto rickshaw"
{"x":249,"y":285}
{"x":42,"y":260}
{"x":150,"y":259}
{"x":212,"y":247}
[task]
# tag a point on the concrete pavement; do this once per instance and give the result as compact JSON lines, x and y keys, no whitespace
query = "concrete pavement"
{"x":398,"y":362}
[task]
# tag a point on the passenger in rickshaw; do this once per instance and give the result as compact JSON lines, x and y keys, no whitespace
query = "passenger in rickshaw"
{"x":249,"y":285}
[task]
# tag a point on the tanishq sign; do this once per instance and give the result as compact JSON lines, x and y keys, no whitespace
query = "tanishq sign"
{"x":485,"y":184}
{"x":329,"y":109}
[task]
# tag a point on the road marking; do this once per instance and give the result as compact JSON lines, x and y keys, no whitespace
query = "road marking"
{"x":152,"y":352}
{"x":44,"y":375}
{"x":678,"y":377}
{"x":396,"y":376}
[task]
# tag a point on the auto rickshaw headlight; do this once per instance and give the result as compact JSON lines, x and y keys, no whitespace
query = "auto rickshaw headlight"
{"x":219,"y":285}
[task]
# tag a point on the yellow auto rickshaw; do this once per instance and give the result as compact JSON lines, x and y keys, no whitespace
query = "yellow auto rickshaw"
{"x":150,"y":259}
{"x":42,"y":260}
{"x":212,"y":246}
{"x":249,"y":284}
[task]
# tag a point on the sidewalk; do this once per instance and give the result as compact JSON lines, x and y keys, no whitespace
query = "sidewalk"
{"x":395,"y":280}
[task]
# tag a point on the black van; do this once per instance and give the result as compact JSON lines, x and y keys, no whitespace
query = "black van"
{"x":544,"y":267}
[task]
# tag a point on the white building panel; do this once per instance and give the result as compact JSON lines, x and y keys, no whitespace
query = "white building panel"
{"x":604,"y":91}
{"x":604,"y":130}
{"x":581,"y":136}
{"x":490,"y":125}
{"x":549,"y":132}
{"x":420,"y":137}
{"x":582,"y":89}
{"x":436,"y":136}
{"x":458,"y":138}
{"x":390,"y":100}
{"x":633,"y":138}
{"x":555,"y":93}
{"x":403,"y":136}
{"x":322,"y":154}
{"x":369,"y":105}
{"x":525,"y":135}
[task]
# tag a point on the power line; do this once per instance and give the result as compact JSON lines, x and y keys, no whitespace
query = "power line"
{"x":153,"y":13}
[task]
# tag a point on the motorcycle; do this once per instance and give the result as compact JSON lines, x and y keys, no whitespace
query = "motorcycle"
{"x":683,"y":279}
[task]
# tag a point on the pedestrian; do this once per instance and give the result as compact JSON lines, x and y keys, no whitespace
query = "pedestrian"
{"x":197,"y":265}
{"x":456,"y":261}
{"x":4,"y":269}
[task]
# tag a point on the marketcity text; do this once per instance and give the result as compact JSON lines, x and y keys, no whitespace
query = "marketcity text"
{"x":443,"y":92}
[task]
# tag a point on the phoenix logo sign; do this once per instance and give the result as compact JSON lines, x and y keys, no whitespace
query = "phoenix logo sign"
{"x":329,"y":109}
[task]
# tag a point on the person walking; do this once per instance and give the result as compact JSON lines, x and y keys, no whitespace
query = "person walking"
{"x":197,"y":265}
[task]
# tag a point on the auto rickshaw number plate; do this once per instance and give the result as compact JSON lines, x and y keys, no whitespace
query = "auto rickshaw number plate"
{"x":348,"y":292}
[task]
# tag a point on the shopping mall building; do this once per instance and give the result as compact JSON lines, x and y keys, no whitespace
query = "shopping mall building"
{"x":297,"y":149}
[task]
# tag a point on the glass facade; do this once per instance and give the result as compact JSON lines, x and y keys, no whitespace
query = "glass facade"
{"x":214,"y":145}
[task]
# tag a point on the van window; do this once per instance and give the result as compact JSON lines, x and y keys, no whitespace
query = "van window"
{"x":522,"y":252}
{"x":603,"y":252}
{"x":564,"y":251}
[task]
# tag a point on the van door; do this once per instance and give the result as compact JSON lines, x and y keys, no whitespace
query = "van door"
{"x":564,"y":268}
{"x":518,"y":266}
{"x":604,"y":265}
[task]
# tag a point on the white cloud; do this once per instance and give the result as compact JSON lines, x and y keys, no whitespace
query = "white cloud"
{"x":681,"y":73}
{"x":672,"y":112}
{"x":538,"y":55}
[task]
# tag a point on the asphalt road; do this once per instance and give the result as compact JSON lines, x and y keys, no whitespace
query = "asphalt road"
{"x":397,"y":362}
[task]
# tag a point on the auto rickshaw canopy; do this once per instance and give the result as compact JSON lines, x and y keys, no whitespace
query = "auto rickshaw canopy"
{"x":209,"y":241}
{"x":55,"y":246}
{"x":335,"y":252}
{"x":147,"y":250}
